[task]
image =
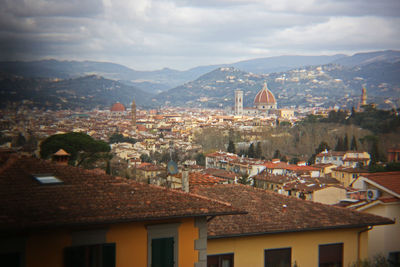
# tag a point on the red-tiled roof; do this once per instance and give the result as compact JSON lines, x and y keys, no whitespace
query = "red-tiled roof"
{"x":389,"y":180}
{"x":87,"y":197}
{"x":266,"y":213}
{"x":264,"y":96}
{"x":196,"y":178}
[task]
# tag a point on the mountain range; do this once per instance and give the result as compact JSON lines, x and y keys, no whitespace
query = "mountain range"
{"x":295,"y":80}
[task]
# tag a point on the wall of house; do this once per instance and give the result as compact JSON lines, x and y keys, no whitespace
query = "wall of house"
{"x":385,"y":238}
{"x":46,"y":248}
{"x":249,"y":251}
{"x":329,"y":195}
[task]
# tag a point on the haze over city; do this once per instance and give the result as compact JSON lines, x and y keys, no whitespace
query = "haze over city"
{"x":153,"y":34}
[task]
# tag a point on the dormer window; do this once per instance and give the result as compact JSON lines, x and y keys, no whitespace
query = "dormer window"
{"x":47,"y":179}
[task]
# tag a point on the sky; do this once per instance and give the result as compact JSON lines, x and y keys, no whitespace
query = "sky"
{"x":182,"y":34}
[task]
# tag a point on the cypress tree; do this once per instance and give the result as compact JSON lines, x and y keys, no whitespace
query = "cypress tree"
{"x":339,"y":144}
{"x":353,"y":145}
{"x":251,"y":152}
{"x":231,"y":147}
{"x":258,"y":152}
{"x":345,"y":143}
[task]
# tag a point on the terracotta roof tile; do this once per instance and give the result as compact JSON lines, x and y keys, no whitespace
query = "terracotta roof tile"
{"x":266,"y":213}
{"x":389,"y":180}
{"x":87,"y":197}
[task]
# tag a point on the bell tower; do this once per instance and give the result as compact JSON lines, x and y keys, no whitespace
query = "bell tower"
{"x":133,"y":115}
{"x":238,"y":102}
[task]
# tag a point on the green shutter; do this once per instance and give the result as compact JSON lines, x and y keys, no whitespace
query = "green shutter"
{"x":162,"y":252}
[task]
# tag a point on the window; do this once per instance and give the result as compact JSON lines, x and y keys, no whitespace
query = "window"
{"x":162,"y":252}
{"x":280,"y":257}
{"x":394,"y":259}
{"x":10,"y":259}
{"x":331,"y":255}
{"x":90,"y":255}
{"x":222,"y":260}
{"x":162,"y":245}
{"x":47,"y":179}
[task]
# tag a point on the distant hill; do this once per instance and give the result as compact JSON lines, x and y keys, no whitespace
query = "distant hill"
{"x":84,"y":92}
{"x":326,"y":85}
{"x":283,"y":63}
{"x":295,"y":80}
{"x":359,"y":59}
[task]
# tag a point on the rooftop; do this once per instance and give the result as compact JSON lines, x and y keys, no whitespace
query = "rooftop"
{"x":87,"y":197}
{"x":270,"y":212}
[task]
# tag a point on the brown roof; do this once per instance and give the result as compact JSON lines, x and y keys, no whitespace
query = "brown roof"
{"x":86,"y":197}
{"x":61,"y":152}
{"x":389,"y":180}
{"x":196,"y":178}
{"x":266,"y":213}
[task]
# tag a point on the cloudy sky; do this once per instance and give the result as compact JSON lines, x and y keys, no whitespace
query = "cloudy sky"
{"x":180,"y":34}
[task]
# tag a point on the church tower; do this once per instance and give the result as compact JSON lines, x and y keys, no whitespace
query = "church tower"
{"x":238,"y":102}
{"x":133,"y":115}
{"x":364,"y":97}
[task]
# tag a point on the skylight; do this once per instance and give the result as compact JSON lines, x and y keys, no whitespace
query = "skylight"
{"x":47,"y":179}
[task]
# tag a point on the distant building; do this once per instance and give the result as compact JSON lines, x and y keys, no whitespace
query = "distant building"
{"x":264,"y":102}
{"x":133,"y":115}
{"x":238,"y":102}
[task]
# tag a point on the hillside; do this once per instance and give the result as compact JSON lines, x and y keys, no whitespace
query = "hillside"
{"x":161,"y":80}
{"x":326,"y":85}
{"x":85,"y":92}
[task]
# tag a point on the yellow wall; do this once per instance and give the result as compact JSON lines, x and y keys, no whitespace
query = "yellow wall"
{"x":45,"y":249}
{"x":187,"y":234}
{"x":131,"y":243}
{"x":249,"y":251}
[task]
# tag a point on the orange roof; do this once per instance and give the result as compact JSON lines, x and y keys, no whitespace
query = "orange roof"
{"x":117,"y":107}
{"x":61,"y":152}
{"x":389,"y":180}
{"x":265,"y":96}
{"x":196,"y":178}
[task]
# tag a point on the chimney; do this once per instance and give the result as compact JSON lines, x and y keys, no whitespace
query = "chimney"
{"x":284,"y":206}
{"x":61,"y":157}
{"x":185,"y":181}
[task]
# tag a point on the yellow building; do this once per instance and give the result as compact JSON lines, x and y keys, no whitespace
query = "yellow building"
{"x":347,"y":175}
{"x":56,"y":215}
{"x":280,"y":230}
{"x":383,"y":199}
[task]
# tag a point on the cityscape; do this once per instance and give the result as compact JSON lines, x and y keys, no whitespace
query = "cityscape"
{"x":175,"y":133}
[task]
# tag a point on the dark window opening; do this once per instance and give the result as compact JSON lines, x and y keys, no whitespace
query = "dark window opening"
{"x":331,"y":255}
{"x":10,"y":259}
{"x":394,"y":259}
{"x":90,"y":256}
{"x":162,"y":252}
{"x":281,"y":257}
{"x":223,"y":260}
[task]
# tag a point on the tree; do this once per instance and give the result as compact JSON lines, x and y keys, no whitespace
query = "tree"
{"x":353,"y":145}
{"x":345,"y":143}
{"x":200,"y":159}
{"x":20,"y":140}
{"x":339,"y":145}
{"x":244,"y":179}
{"x":231,"y":147}
{"x":258,"y":153}
{"x":83,"y":148}
{"x":321,"y":147}
{"x":145,"y":158}
{"x":277,"y":154}
{"x":294,"y":160}
{"x":251,"y":153}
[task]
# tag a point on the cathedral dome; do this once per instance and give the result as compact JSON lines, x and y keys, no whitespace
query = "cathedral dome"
{"x":117,"y":107}
{"x":265,"y":98}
